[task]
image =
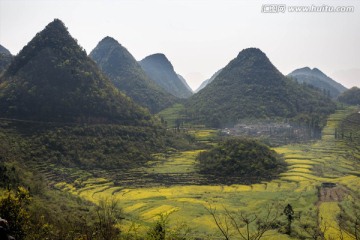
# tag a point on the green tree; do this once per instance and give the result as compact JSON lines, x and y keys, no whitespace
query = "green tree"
{"x":289,"y":213}
{"x":109,"y":214}
{"x":162,"y":230}
{"x":158,"y":231}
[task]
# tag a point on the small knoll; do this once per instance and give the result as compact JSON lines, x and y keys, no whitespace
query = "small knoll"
{"x":240,"y":160}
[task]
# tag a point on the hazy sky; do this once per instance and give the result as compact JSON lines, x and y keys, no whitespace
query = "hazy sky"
{"x":200,"y":36}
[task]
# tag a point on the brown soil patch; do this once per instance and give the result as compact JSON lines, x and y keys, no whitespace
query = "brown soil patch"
{"x":332,"y":194}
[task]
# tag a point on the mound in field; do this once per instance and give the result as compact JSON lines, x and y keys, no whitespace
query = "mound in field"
{"x":241,"y":161}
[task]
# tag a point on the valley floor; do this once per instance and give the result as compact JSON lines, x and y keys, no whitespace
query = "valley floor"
{"x":311,"y":168}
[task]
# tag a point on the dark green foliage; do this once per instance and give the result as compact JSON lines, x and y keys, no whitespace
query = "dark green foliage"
{"x":5,"y":61}
{"x":289,"y":213}
{"x":157,"y":232}
{"x":109,"y":214}
{"x":127,"y":75}
{"x":241,"y":160}
{"x":351,"y":96}
{"x":161,"y":71}
{"x":52,"y":79}
{"x":251,"y":87}
{"x":89,"y":146}
{"x":319,"y":80}
{"x":9,"y":178}
{"x":349,"y":130}
{"x":161,"y":230}
{"x":104,"y":146}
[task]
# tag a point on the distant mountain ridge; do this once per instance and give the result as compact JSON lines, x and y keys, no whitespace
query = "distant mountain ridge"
{"x":52,"y":79}
{"x":250,"y":86}
{"x":5,"y":58}
{"x":207,"y":81}
{"x":161,"y":71}
{"x":318,"y":79}
{"x":351,"y":96}
{"x":185,"y":83}
{"x":128,"y":76}
{"x":3,"y":50}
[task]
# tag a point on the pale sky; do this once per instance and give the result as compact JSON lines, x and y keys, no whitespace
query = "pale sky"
{"x":200,"y":36}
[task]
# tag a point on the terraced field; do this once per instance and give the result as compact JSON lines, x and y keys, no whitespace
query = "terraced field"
{"x":328,"y":160}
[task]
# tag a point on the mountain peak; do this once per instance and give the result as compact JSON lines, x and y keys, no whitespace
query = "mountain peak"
{"x":128,"y":76}
{"x":110,"y":44}
{"x":161,"y":71}
{"x":158,"y":58}
{"x":53,"y":79}
{"x":109,"y":53}
{"x":251,"y":51}
{"x":247,"y":62}
{"x":54,"y":36}
{"x":109,"y":40}
{"x":252,"y":56}
{"x":317,"y":71}
{"x":57,"y":24}
{"x":317,"y":79}
{"x":250,"y":86}
{"x":305,"y":69}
